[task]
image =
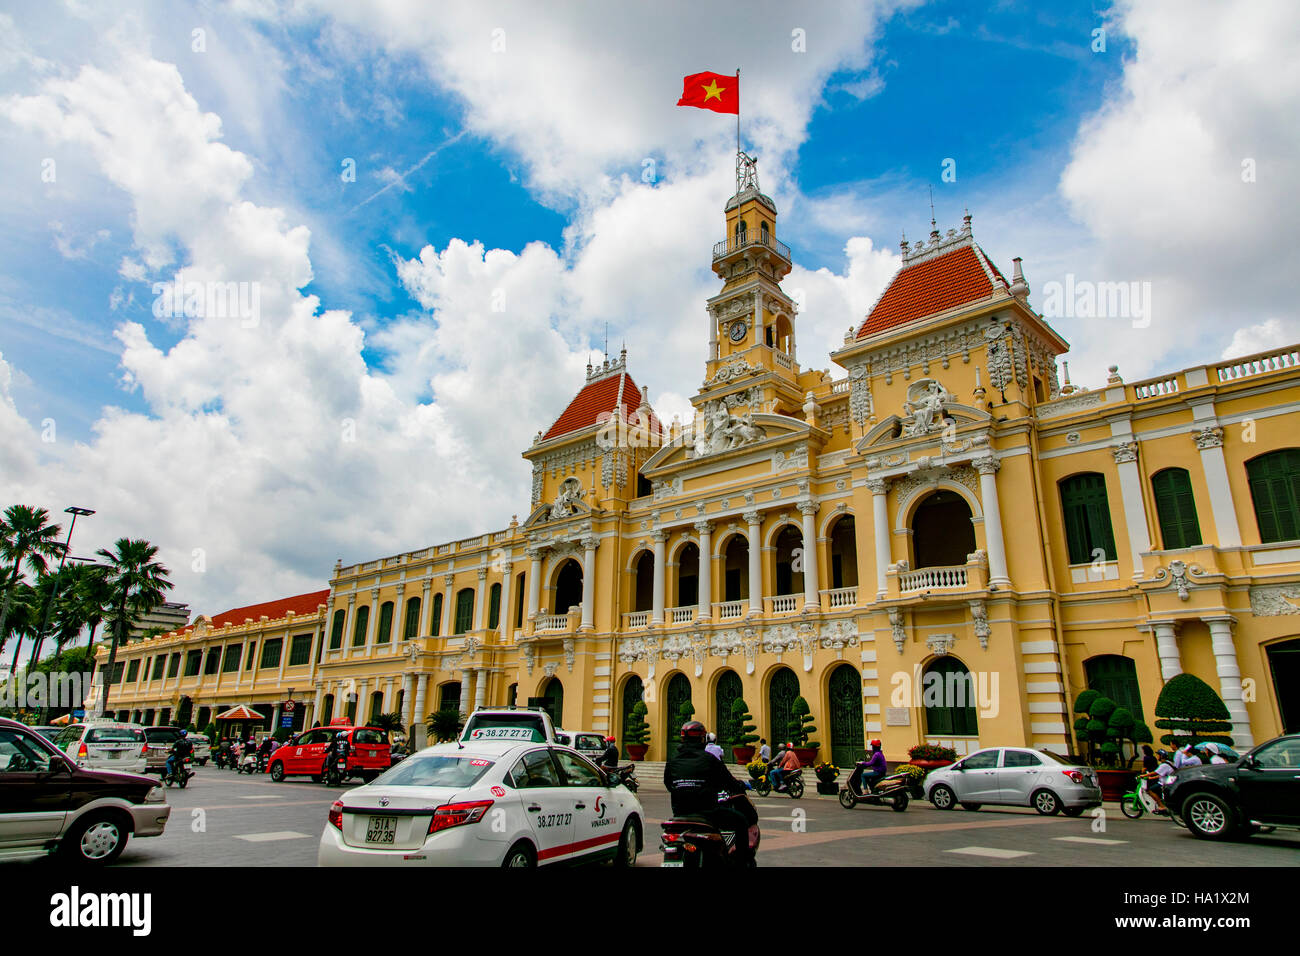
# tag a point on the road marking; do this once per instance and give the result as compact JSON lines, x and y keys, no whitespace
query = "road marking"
{"x":263,"y":796}
{"x":268,"y":837}
{"x":1096,"y":840}
{"x":990,"y":852}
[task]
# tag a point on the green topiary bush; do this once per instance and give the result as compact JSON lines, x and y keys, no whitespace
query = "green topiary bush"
{"x":740,"y":732}
{"x":637,"y":731}
{"x":1190,"y":707}
{"x":801,"y":724}
{"x":1105,"y":726}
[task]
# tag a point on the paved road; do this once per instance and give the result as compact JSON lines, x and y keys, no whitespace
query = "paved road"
{"x":224,"y":819}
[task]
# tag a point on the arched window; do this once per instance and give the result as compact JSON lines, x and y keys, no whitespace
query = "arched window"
{"x":1175,"y":509}
{"x":735,"y":569}
{"x":643,"y":595}
{"x":1115,"y":677}
{"x":1284,"y":662}
{"x":762,"y":232}
{"x":494,"y":606}
{"x":568,"y":587}
{"x":336,"y":630}
{"x":464,"y":610}
{"x":553,"y":695}
{"x":845,"y":697}
{"x":436,"y":624}
{"x":449,"y":696}
{"x":949,"y":695}
{"x":1275,"y":490}
{"x":942,"y":533}
{"x":789,"y":564}
{"x":741,"y":229}
{"x":411,"y":626}
{"x":1087,"y":518}
{"x":359,"y":626}
{"x":376,"y":705}
{"x":725,"y":693}
{"x":519,"y":600}
{"x":781,"y":692}
{"x":676,"y":697}
{"x":385,"y":623}
{"x":688,"y":576}
{"x":326,"y":710}
{"x":844,"y":553}
{"x":633,"y":691}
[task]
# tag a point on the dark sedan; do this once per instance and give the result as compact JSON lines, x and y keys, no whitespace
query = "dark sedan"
{"x":1222,"y":801}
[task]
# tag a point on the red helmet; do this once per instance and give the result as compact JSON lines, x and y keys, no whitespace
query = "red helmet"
{"x":693,"y":730}
{"x":875,"y":744}
{"x":609,"y":740}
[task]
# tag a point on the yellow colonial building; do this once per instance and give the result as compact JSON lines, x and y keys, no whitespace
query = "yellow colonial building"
{"x":944,"y":544}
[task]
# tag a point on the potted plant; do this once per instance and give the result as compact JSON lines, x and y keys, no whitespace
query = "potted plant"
{"x":756,"y":769}
{"x":636,"y":731}
{"x":827,"y":773}
{"x":915,"y":779}
{"x":801,"y":727}
{"x":741,"y":731}
{"x":929,"y":756}
{"x":1190,"y":707}
{"x":445,"y":724}
{"x":1106,"y":726}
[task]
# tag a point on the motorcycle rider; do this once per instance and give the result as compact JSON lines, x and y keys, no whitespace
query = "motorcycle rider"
{"x":713,"y":747}
{"x":338,"y":748}
{"x":774,"y":767}
{"x":694,"y":779}
{"x":610,"y":757}
{"x":264,"y":752}
{"x":181,"y":749}
{"x":866,"y":773}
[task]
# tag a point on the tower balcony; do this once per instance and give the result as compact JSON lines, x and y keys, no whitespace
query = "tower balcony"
{"x":748,"y":240}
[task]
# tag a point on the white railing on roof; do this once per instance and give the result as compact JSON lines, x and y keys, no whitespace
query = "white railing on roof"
{"x":1257,"y":364}
{"x":1156,"y":387}
{"x":842,"y":387}
{"x":930,"y":578}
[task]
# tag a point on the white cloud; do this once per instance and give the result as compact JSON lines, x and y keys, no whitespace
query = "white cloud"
{"x":1267,"y":335}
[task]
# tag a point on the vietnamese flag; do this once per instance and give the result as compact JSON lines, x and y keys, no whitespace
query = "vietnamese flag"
{"x":711,"y":91}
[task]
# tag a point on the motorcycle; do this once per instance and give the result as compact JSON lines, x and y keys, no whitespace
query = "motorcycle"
{"x":694,"y":842}
{"x":252,"y":763}
{"x":336,"y":770}
{"x":625,"y":775}
{"x":180,"y":774}
{"x":791,"y":783}
{"x":891,"y":790}
{"x":1138,"y":801}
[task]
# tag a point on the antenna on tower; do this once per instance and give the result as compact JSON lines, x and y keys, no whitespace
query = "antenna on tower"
{"x":934,"y":226}
{"x":607,"y":340}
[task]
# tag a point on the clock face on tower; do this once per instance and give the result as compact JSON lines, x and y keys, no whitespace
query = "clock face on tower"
{"x":737,"y":331}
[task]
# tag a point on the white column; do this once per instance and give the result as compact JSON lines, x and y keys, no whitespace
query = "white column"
{"x":988,"y":469}
{"x":811,"y":598}
{"x":478,"y":599}
{"x":1225,"y":662}
{"x":363,"y":701}
{"x":421,"y":691}
{"x":1130,"y":492}
{"x":589,"y":582}
{"x":507,"y":602}
{"x":397,"y":626}
{"x":657,"y":606}
{"x":464,"y":690}
{"x":349,"y":623}
{"x":426,"y":607}
{"x":480,"y":688}
{"x":316,"y":706}
{"x":372,"y":624}
{"x":704,"y":608}
{"x":1210,"y":442}
{"x":879,"y":489}
{"x":713,"y":335}
{"x":534,"y":582}
{"x":388,"y":706}
{"x":1171,"y":664}
{"x":448,"y":582}
{"x":755,"y":524}
{"x":409,"y":710}
{"x":759,"y":334}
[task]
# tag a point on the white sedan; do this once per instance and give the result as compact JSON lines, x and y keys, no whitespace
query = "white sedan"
{"x":491,"y":803}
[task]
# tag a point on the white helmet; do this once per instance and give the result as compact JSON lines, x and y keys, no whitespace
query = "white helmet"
{"x":712,"y":738}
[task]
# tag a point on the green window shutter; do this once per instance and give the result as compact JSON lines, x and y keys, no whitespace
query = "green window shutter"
{"x":411,"y":629}
{"x":1086,"y":515}
{"x":385,"y":623}
{"x":437,"y":614}
{"x":1176,"y":509}
{"x":494,"y":606}
{"x":359,"y":626}
{"x":464,"y":611}
{"x":336,"y":632}
{"x":1275,"y":489}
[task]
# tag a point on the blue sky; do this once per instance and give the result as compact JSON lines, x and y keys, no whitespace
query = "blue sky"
{"x":500,"y":147}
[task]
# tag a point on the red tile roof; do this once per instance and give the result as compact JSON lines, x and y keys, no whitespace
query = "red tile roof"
{"x":596,"y":398}
{"x":299,"y":604}
{"x":956,"y":277}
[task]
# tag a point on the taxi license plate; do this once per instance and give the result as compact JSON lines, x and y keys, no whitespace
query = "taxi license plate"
{"x":381,"y":830}
{"x":114,"y":755}
{"x":673,"y":863}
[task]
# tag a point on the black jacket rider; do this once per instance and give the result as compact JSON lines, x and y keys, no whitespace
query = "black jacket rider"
{"x":694,"y":779}
{"x":610,"y":757}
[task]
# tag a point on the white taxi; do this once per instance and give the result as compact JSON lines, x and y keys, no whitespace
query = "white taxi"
{"x":105,"y":745}
{"x":485,"y":803}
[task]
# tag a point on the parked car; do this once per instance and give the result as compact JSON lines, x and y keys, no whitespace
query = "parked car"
{"x":586,"y":742}
{"x":304,"y":755}
{"x":1223,"y":801}
{"x":485,"y":803}
{"x":105,"y":745}
{"x":1015,"y":777}
{"x":49,"y":803}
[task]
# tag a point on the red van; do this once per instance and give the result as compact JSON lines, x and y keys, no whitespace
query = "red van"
{"x":304,"y":755}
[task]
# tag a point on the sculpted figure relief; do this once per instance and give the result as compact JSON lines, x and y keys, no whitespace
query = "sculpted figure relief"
{"x":924,"y":407}
{"x":722,"y":431}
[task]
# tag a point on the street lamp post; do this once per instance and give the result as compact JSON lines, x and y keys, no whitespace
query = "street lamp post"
{"x":54,"y":588}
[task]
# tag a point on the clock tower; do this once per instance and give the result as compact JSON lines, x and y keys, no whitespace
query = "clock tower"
{"x":752,"y":320}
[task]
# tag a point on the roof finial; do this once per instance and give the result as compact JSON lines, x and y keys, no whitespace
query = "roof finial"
{"x":934,"y":226}
{"x":966,"y":222}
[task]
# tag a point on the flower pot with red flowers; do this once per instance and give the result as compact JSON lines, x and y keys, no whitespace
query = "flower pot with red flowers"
{"x":930,"y":756}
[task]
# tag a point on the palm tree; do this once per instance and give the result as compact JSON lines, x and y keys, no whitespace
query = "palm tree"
{"x":71,"y":606}
{"x":25,"y":535}
{"x":24,"y":613}
{"x":95,"y":597}
{"x":136,"y":585}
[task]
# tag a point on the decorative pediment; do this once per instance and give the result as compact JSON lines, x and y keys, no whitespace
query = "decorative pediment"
{"x":734,"y":435}
{"x":895,"y":427}
{"x":568,"y":504}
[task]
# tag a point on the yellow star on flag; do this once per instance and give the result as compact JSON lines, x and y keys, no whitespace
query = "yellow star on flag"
{"x":713,"y":91}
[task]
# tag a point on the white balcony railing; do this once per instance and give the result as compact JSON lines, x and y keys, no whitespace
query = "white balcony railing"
{"x":681,"y":615}
{"x":841,"y":597}
{"x":730,"y":609}
{"x":553,"y":622}
{"x":785,"y":603}
{"x":928,"y":579}
{"x":636,"y":619}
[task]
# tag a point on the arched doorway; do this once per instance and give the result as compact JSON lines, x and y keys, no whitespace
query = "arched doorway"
{"x":553,"y":701}
{"x":789,"y":563}
{"x":643,"y":593}
{"x":845,"y":696}
{"x":688,"y":576}
{"x":633,"y":692}
{"x":675,"y":697}
{"x":449,"y":696}
{"x":942,"y":533}
{"x":1284,"y":662}
{"x":844,"y":553}
{"x":781,"y":692}
{"x":948,"y":692}
{"x":568,"y":587}
{"x":725,"y":693}
{"x":735,"y":569}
